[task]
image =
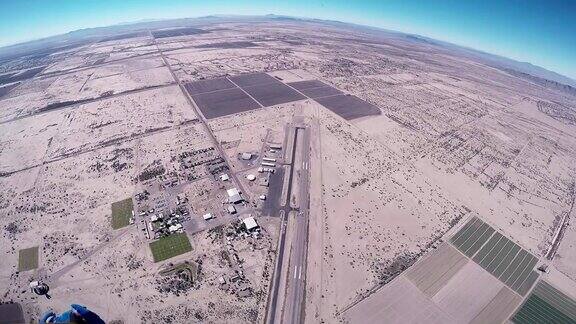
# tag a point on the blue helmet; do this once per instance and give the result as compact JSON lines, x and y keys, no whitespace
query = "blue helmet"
{"x":77,"y":314}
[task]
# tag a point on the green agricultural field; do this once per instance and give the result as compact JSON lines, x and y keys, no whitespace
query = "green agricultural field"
{"x":170,"y":246}
{"x":121,"y":213}
{"x":28,"y":259}
{"x":546,"y":304}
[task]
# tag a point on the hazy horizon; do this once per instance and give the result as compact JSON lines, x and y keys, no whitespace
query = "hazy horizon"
{"x":532,"y":32}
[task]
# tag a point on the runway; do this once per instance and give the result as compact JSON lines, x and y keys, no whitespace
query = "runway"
{"x":291,"y":310}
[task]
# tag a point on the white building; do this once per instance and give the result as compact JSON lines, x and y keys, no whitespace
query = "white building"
{"x":234,"y":196}
{"x":250,"y":223}
{"x":207,"y":216}
{"x":224,"y":177}
{"x":232,"y":192}
{"x":175,"y":228}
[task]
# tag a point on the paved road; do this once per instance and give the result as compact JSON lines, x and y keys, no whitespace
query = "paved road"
{"x":295,"y":296}
{"x":292,"y":310}
{"x":271,"y":312}
{"x":81,"y":102}
{"x":190,"y":100}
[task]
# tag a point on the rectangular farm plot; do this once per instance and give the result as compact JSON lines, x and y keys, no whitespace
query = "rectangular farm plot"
{"x":433,"y":272}
{"x":308,"y":84}
{"x":472,"y":236}
{"x":121,"y":213}
{"x":499,"y":308}
{"x":178,"y":32}
{"x":546,"y":304}
{"x":224,"y":102}
{"x":210,"y":85}
{"x":508,"y":262}
{"x":170,"y":246}
{"x":348,"y":107}
{"x":498,"y":255}
{"x":275,"y":93}
{"x":320,"y":92}
{"x":397,"y":302}
{"x":315,"y":89}
{"x":228,"y":45}
{"x":28,"y":259}
{"x":249,"y":80}
{"x":467,"y":293}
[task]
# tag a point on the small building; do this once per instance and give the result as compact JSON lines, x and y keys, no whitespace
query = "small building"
{"x":267,"y":159}
{"x":234,"y":196}
{"x":275,"y":146}
{"x":269,"y":164}
{"x":207,"y":216}
{"x":246,"y":156}
{"x":232,"y":192}
{"x":264,"y":181}
{"x":250,"y":223}
{"x":251,"y":177}
{"x":262,"y":197}
{"x":175,"y":228}
{"x":235,"y":199}
{"x":232,"y":209}
{"x":224,"y":177}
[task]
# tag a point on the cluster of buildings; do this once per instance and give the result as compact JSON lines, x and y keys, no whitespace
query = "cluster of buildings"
{"x":168,"y":218}
{"x":163,"y":225}
{"x":235,"y":282}
{"x":161,"y":221}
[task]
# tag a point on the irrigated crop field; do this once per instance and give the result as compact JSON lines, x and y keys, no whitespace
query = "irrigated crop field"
{"x":169,"y":247}
{"x":121,"y":213}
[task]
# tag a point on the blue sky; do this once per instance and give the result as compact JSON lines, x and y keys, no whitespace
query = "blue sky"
{"x":539,"y":32}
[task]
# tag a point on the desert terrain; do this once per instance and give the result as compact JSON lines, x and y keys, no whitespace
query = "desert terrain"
{"x":381,"y":147}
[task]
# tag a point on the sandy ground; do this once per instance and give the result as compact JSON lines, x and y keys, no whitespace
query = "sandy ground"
{"x":455,"y":138}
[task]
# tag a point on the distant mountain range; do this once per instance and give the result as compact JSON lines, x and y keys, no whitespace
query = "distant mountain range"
{"x":502,"y":62}
{"x":76,"y":38}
